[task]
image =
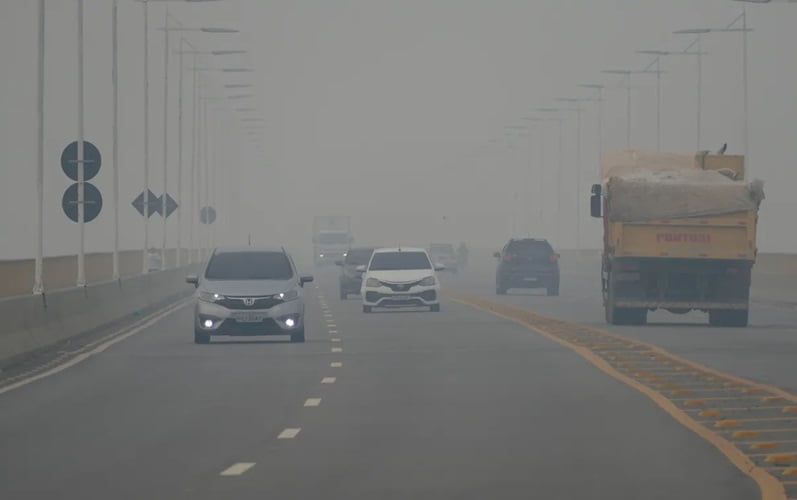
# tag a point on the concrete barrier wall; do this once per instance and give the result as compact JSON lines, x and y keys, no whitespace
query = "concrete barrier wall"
{"x":36,"y":321}
{"x":58,"y":273}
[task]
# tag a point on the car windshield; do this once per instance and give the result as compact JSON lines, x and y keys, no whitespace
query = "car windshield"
{"x":395,"y":261}
{"x":530,"y":249}
{"x":359,"y":256}
{"x":249,"y":266}
{"x":333,"y":238}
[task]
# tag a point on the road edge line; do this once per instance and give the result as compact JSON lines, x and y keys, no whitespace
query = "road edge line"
{"x":99,"y":346}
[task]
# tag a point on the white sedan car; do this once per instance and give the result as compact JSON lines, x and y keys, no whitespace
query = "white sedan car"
{"x":400,"y":277}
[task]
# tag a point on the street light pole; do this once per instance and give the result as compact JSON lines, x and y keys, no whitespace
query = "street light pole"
{"x":165,"y":195}
{"x":145,"y":215}
{"x":81,"y":177}
{"x":599,"y":88}
{"x":115,"y":81}
{"x":38,"y":285}
{"x":178,"y":261}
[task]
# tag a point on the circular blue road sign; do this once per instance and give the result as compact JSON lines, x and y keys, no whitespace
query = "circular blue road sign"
{"x":92,"y":160}
{"x":92,"y":201}
{"x":207,"y":215}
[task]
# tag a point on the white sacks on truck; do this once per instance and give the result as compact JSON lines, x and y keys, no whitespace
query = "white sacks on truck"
{"x":642,"y":186}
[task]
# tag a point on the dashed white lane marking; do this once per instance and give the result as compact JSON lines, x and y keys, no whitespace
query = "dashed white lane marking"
{"x":237,"y":469}
{"x":328,"y":380}
{"x":335,"y":340}
{"x":327,"y":315}
{"x":289,"y":433}
{"x":336,"y":364}
{"x":337,"y":349}
{"x":312,"y":402}
{"x":333,"y":331}
{"x":332,"y":325}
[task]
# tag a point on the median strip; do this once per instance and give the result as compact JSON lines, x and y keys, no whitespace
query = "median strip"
{"x":655,"y":372}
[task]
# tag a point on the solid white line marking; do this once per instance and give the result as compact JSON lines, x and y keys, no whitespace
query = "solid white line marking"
{"x":237,"y":469}
{"x":336,"y":364}
{"x":328,"y":380}
{"x":312,"y":402}
{"x":335,"y":340}
{"x":337,"y":349}
{"x":132,"y":330}
{"x":289,"y":433}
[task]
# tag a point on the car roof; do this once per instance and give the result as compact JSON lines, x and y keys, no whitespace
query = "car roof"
{"x":538,"y":240}
{"x":362,"y":249}
{"x":399,"y":249}
{"x":249,"y":250}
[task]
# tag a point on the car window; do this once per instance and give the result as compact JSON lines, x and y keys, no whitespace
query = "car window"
{"x":333,"y":238}
{"x":249,"y":266}
{"x":359,"y":256}
{"x":394,"y":261}
{"x":530,"y":248}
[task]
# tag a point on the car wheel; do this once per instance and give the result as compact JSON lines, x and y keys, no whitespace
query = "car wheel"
{"x":343,"y":295}
{"x":201,"y":337}
{"x":553,"y":290}
{"x":367,"y":309}
{"x":297,"y":336}
{"x":499,"y":290}
{"x":435,"y":308}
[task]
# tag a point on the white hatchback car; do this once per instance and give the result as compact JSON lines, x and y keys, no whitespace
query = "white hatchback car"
{"x":400,"y":277}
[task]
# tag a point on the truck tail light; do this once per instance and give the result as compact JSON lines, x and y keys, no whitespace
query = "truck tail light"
{"x":508,"y":257}
{"x":554,"y":258}
{"x":733,"y":270}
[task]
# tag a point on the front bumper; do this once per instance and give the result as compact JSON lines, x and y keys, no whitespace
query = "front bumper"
{"x":215,"y":319}
{"x":417,"y":296}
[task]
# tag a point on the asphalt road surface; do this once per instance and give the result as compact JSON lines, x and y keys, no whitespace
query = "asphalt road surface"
{"x":459,"y":404}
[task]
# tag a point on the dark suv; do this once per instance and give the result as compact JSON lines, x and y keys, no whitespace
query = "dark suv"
{"x":527,"y":263}
{"x":350,"y":279}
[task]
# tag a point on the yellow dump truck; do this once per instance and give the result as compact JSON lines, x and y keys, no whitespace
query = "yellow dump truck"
{"x":679,"y":233}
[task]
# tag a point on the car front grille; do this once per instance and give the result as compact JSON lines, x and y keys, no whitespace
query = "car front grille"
{"x":245,"y":303}
{"x":401,"y":287}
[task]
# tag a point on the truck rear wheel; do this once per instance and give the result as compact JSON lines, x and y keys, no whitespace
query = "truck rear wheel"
{"x":625,"y":316}
{"x":721,"y":317}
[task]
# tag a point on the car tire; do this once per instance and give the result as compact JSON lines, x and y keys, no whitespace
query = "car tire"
{"x":435,"y":308}
{"x":500,"y":290}
{"x":552,"y":291}
{"x":367,"y":309}
{"x":297,"y":337}
{"x":201,"y":337}
{"x":343,"y":295}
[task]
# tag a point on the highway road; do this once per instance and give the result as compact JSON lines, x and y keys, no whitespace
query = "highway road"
{"x":459,"y":404}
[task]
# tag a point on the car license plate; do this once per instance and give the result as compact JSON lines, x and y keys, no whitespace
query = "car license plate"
{"x":530,"y":279}
{"x":249,"y":317}
{"x":402,"y":297}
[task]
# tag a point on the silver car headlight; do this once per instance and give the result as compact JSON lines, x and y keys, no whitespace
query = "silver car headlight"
{"x":210,"y":297}
{"x":373,"y":283}
{"x":428,"y":281}
{"x":289,"y":295}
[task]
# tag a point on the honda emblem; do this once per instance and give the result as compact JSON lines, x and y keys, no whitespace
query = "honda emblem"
{"x":249,"y":302}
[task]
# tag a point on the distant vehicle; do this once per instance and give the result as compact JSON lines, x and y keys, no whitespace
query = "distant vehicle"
{"x":350,"y":280}
{"x":400,"y":277}
{"x":249,"y":292}
{"x":527,"y":263}
{"x":331,"y":238}
{"x":444,"y":254}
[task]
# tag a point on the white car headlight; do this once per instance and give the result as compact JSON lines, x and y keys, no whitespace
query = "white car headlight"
{"x":428,"y":281}
{"x":373,"y":283}
{"x":289,"y":295}
{"x":210,"y":297}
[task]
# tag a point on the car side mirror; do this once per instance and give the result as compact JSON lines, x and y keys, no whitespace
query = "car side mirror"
{"x":596,"y":201}
{"x":497,"y":255}
{"x":339,"y":263}
{"x":360,"y":269}
{"x":192,"y":280}
{"x":305,"y":279}
{"x":439,"y":267}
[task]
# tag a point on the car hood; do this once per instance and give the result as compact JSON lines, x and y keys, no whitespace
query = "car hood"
{"x":403,"y":276}
{"x":245,"y":288}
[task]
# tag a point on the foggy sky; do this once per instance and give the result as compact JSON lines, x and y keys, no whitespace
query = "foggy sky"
{"x":385,"y":110}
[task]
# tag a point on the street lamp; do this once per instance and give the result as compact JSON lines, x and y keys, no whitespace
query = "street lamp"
{"x":240,"y":96}
{"x":577,"y":110}
{"x":627,"y":73}
{"x":237,"y":86}
{"x":560,"y":161}
{"x":599,"y":88}
{"x":730,"y":29}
